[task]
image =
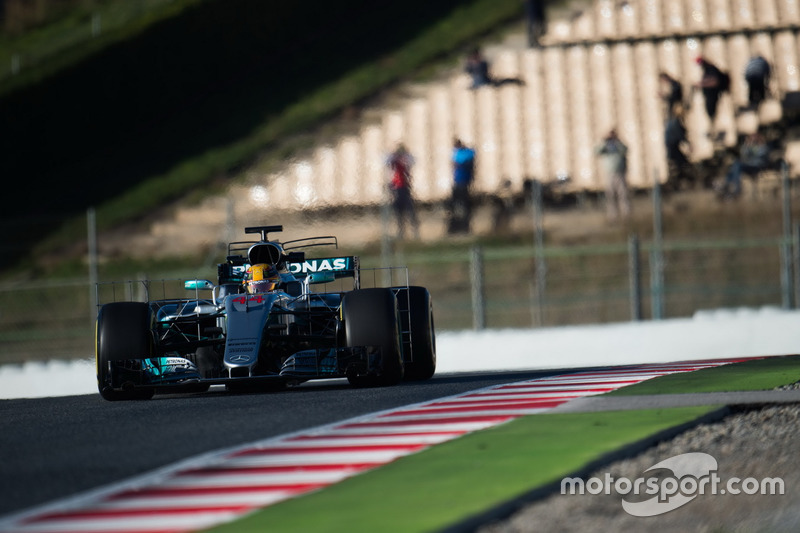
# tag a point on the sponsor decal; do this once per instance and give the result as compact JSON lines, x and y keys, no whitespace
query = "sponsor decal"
{"x":176,"y":361}
{"x":164,"y":366}
{"x":258,"y":298}
{"x":320,"y":265}
{"x":238,"y":347}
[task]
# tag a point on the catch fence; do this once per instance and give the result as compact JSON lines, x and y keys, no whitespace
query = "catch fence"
{"x":483,"y":287}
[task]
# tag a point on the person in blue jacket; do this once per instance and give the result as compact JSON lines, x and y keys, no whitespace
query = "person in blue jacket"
{"x":463,"y":176}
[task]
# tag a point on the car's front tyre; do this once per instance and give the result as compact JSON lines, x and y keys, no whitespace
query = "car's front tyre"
{"x":123,"y":333}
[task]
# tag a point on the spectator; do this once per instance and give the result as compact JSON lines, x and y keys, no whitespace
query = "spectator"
{"x":478,"y":69}
{"x":757,"y":73}
{"x":713,"y":82}
{"x":536,"y":21}
{"x":615,"y":158}
{"x":503,"y":206}
{"x":753,"y":158}
{"x":676,"y":142}
{"x":671,"y":93}
{"x":463,"y":176}
{"x":400,"y":162}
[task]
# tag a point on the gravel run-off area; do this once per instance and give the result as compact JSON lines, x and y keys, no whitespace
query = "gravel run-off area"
{"x":756,"y":442}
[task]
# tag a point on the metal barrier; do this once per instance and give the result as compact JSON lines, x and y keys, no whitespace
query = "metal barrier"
{"x":488,"y":288}
{"x":499,"y":288}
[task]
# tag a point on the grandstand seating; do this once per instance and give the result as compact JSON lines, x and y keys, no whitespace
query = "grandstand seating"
{"x":595,"y":70}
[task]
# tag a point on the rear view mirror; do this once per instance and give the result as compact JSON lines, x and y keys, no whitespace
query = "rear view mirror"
{"x":321,"y":277}
{"x":198,"y":284}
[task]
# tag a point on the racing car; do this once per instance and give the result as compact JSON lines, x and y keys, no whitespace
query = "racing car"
{"x":274,"y":318}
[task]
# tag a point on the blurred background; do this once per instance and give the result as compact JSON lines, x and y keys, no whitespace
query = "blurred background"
{"x":141,"y":136}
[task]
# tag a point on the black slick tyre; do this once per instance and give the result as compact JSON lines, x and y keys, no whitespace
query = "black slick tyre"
{"x":416,"y":311}
{"x":371,"y":319}
{"x":123,"y":333}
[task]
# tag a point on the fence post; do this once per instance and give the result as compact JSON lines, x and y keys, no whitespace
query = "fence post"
{"x":634,"y":273}
{"x":656,"y":257}
{"x":386,"y":240}
{"x":787,"y":289}
{"x":796,"y":263}
{"x":541,"y":264}
{"x":476,"y":276}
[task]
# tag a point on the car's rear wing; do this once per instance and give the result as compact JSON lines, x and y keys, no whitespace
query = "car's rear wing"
{"x":341,"y":267}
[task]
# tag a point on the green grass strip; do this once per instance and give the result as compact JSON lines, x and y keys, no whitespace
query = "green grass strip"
{"x":759,"y":374}
{"x":449,"y":482}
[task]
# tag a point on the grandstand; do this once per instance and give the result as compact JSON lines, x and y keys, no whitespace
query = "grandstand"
{"x":595,"y":69}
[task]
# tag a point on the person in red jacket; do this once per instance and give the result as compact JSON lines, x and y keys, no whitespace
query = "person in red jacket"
{"x":400,"y":162}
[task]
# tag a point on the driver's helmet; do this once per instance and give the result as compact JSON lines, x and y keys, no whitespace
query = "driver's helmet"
{"x":262,"y":277}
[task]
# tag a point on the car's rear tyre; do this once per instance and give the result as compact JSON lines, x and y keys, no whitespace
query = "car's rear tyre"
{"x":371,"y":319}
{"x":123,"y":333}
{"x":416,"y":311}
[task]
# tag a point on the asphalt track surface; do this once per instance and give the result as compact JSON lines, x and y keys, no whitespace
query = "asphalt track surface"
{"x":51,"y":448}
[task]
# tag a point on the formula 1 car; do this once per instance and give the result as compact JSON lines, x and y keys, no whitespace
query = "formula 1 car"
{"x":271,"y":320}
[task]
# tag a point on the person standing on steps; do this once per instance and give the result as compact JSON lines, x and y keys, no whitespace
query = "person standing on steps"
{"x":463,"y":160}
{"x":400,"y":162}
{"x":676,"y":141}
{"x":671,"y":93}
{"x":615,"y":158}
{"x":757,"y":73}
{"x":713,"y":82}
{"x":536,"y":21}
